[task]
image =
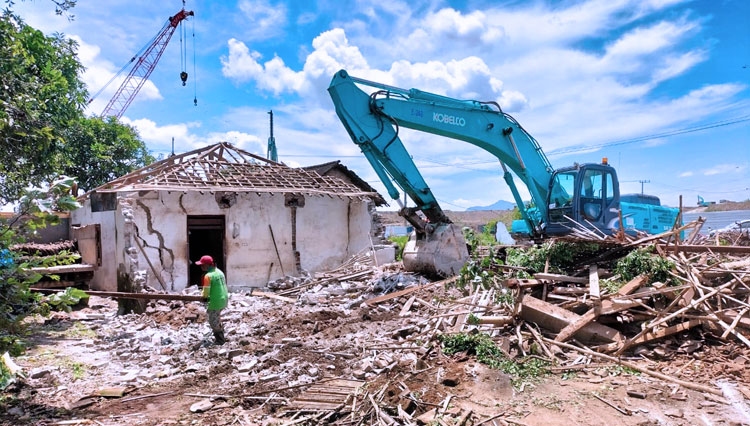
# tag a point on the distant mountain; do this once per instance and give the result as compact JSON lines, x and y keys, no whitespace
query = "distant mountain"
{"x":499,"y":205}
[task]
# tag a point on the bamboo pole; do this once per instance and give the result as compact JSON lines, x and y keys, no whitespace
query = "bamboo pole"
{"x":683,"y":383}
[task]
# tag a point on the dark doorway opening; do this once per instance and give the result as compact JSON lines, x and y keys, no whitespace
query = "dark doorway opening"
{"x":205,"y":237}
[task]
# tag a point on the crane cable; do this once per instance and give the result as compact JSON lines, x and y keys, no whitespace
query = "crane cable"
{"x":195,"y":80}
{"x":182,"y":55}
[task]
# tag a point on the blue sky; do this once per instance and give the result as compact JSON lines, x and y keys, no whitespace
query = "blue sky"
{"x":574,"y":73}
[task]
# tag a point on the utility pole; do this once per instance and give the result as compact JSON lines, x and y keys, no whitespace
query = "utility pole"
{"x":642,"y":182}
{"x":271,"y":153}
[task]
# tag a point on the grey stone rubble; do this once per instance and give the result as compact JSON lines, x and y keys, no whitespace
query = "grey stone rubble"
{"x":290,"y":281}
{"x":145,"y":349}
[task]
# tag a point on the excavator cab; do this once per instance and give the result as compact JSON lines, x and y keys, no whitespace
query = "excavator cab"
{"x":587,"y":194}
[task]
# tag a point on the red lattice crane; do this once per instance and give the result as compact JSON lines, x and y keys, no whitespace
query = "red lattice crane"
{"x":145,"y":62}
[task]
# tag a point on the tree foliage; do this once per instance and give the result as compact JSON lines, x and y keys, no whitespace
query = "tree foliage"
{"x":43,"y":130}
{"x":37,"y":210}
{"x":62,"y":7}
{"x":99,"y":150}
{"x":41,"y":95}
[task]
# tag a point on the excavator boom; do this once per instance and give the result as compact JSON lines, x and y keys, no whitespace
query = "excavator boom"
{"x":373,"y":120}
{"x":581,"y":195}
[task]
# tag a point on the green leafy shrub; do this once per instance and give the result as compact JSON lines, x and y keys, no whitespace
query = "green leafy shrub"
{"x":472,"y":319}
{"x":65,"y":299}
{"x":562,"y":256}
{"x":6,"y":377}
{"x":481,"y":345}
{"x":477,"y":271}
{"x":643,"y":261}
{"x":36,"y":211}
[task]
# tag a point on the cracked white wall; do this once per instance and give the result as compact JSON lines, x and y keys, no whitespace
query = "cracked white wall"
{"x":329,"y":230}
{"x":105,"y":277}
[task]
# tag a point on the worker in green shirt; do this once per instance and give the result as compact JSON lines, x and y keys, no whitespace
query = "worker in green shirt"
{"x":215,"y":295}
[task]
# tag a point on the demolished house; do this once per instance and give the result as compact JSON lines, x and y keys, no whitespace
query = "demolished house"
{"x":260,"y":220}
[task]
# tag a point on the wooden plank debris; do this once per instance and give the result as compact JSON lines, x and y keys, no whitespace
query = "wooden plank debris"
{"x":594,"y":282}
{"x":604,"y":308}
{"x":273,"y":296}
{"x":404,"y":292}
{"x":407,"y":306}
{"x":325,"y":396}
{"x":555,"y":318}
{"x":707,"y":249}
{"x":125,"y":295}
{"x":561,"y":278}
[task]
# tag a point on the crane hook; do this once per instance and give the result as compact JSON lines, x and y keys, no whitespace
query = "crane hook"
{"x":183,"y":77}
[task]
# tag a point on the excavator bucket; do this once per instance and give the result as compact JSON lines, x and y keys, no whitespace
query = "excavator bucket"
{"x":441,"y":252}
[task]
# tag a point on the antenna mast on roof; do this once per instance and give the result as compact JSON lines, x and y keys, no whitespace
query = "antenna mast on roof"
{"x":172,"y":155}
{"x":271,"y":153}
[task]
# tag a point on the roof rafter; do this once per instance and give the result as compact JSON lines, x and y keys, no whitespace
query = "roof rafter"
{"x":224,"y":167}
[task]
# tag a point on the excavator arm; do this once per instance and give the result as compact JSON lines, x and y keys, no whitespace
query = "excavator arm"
{"x":584,"y":194}
{"x":373,"y":122}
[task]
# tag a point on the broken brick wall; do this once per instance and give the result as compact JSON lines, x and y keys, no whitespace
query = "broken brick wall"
{"x":105,"y":276}
{"x":328,"y":231}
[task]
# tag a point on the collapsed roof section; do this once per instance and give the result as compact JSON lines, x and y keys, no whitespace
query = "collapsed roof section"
{"x":224,"y":167}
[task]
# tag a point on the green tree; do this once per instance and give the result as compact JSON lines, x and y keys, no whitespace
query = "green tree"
{"x":62,"y":7}
{"x":99,"y":150}
{"x":41,"y":94}
{"x":36,"y":210}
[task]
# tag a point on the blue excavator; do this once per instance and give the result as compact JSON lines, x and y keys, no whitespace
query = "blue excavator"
{"x":585,"y":195}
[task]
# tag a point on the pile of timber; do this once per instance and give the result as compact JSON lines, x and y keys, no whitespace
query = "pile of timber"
{"x":45,"y":249}
{"x":709,"y":287}
{"x":359,"y":267}
{"x":573,"y":320}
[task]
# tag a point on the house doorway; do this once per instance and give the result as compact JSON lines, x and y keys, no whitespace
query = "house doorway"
{"x":205,"y":237}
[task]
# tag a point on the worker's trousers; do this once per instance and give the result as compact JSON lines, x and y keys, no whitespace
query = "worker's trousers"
{"x":214,"y":320}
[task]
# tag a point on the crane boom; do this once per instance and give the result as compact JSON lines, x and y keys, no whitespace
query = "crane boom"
{"x":144,"y":66}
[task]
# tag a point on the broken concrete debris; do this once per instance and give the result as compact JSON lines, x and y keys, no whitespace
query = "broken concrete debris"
{"x":371,"y":344}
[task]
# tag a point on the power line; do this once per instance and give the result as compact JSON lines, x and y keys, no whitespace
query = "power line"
{"x":573,"y":149}
{"x":567,"y":150}
{"x":700,"y":190}
{"x":653,"y":136}
{"x":451,"y":204}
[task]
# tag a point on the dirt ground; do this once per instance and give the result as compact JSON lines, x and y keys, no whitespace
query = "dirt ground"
{"x":164,"y":359}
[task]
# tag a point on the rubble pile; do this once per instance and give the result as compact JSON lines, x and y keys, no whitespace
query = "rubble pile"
{"x":572,"y":305}
{"x":372,"y":344}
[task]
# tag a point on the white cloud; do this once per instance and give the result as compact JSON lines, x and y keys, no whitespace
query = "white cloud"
{"x":469,"y":77}
{"x":507,"y":31}
{"x":686,"y":174}
{"x":242,"y":65}
{"x":724,"y":168}
{"x":574,"y":73}
{"x":647,"y":40}
{"x":678,"y":64}
{"x":159,"y":138}
{"x":263,"y":19}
